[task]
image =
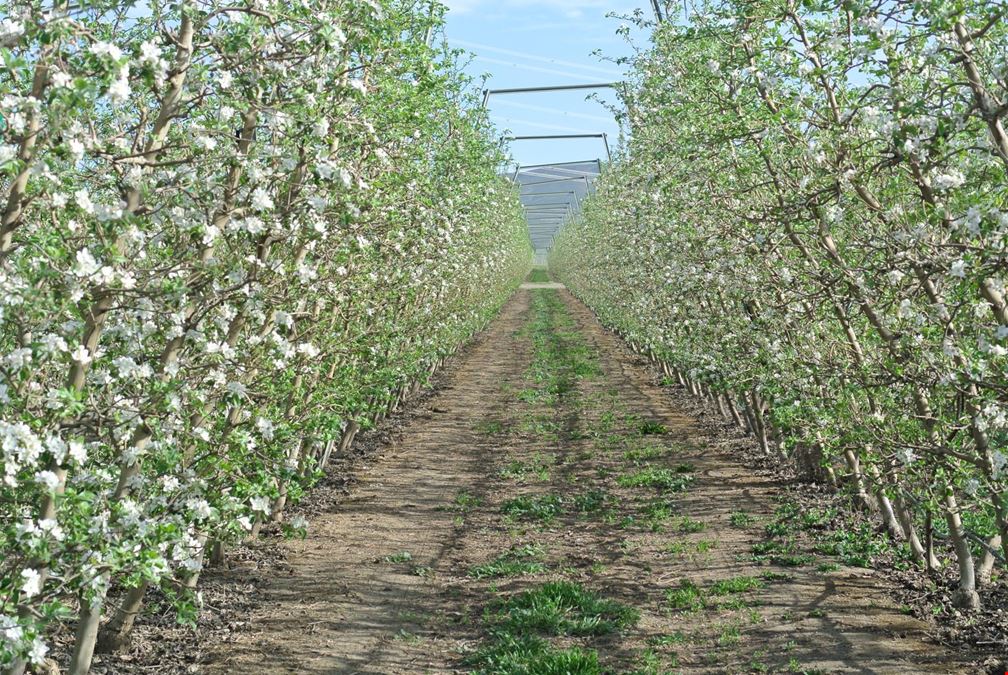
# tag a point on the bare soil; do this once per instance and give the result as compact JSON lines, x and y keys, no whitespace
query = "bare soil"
{"x":383,"y":584}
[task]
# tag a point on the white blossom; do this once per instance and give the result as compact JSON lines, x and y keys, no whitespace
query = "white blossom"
{"x":81,"y":355}
{"x":7,"y":152}
{"x":106,"y":49}
{"x":10,"y":29}
{"x":31,"y":584}
{"x":948,"y":180}
{"x":265,"y":428}
{"x":237,"y":388}
{"x":998,"y":460}
{"x":905,"y":309}
{"x":37,"y":652}
{"x":61,"y":80}
{"x":261,"y":201}
{"x":260,"y":504}
{"x":119,"y":90}
{"x":83,"y":200}
{"x":47,"y":479}
{"x":200,"y":508}
{"x":77,"y":452}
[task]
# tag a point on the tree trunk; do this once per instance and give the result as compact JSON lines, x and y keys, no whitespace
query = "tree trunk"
{"x":115,"y":634}
{"x":965,"y":596}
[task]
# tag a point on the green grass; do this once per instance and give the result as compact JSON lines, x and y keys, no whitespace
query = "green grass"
{"x":543,"y":509}
{"x":741,"y":519}
{"x":784,"y":553}
{"x":736,"y":585}
{"x":516,"y":562}
{"x":489,"y":427}
{"x":400,"y":557}
{"x":650,"y":428}
{"x":537,"y":466}
{"x":563,"y":608}
{"x":653,"y":477}
{"x":561,"y":356}
{"x":681,"y":548}
{"x":818,"y":518}
{"x":536,"y":425}
{"x":539,"y":276}
{"x":650,"y":663}
{"x":466,"y":502}
{"x":531,"y":655}
{"x":645,"y":453}
{"x":589,"y":501}
{"x":857,"y":546}
{"x":688,"y":525}
{"x":687,"y":598}
{"x":730,"y":635}
{"x":669,"y":640}
{"x":657,"y":513}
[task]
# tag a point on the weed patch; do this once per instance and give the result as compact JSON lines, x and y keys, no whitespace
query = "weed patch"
{"x":645,"y":453}
{"x":538,"y":467}
{"x":857,"y":546}
{"x":736,"y":585}
{"x":653,"y":477}
{"x":657,"y":513}
{"x":542,"y":509}
{"x":531,"y":655}
{"x":516,"y":562}
{"x":563,"y":608}
{"x":687,"y":598}
{"x":687,"y":525}
{"x":741,"y":519}
{"x":489,"y":427}
{"x":650,"y":428}
{"x":590,"y":501}
{"x":784,"y":553}
{"x":400,"y":557}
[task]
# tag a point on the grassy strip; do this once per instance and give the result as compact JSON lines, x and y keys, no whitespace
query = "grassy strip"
{"x":520,"y":624}
{"x":516,"y":562}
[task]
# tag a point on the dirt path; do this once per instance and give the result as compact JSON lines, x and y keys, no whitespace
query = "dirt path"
{"x":551,"y":512}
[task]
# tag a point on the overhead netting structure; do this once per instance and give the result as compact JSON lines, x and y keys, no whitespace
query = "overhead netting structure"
{"x":551,"y":194}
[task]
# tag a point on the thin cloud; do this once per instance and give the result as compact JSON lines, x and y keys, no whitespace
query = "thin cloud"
{"x":565,"y":113}
{"x":541,"y":125}
{"x":537,"y":69}
{"x":462,"y":6}
{"x":533,"y":57}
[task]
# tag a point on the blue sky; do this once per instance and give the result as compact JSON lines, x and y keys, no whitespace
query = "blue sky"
{"x":533,"y":43}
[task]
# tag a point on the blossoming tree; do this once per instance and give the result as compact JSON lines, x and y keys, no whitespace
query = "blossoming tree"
{"x":232,"y":235}
{"x":808,"y":228}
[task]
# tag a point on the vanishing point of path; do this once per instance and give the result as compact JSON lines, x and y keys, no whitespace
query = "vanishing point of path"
{"x":550,"y":511}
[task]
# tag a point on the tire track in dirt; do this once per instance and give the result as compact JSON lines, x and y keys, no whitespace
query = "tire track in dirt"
{"x":354,"y":603}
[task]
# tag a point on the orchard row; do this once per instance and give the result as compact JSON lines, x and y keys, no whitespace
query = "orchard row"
{"x":232,"y":235}
{"x":808,"y":227}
